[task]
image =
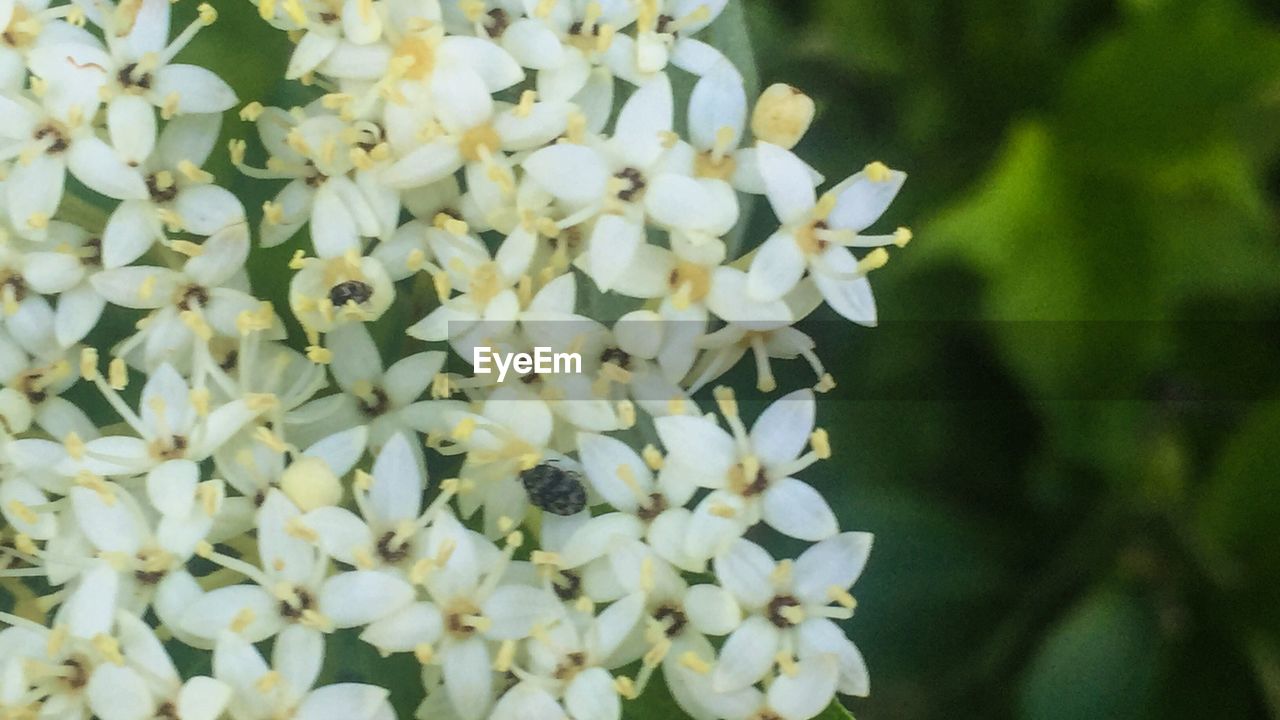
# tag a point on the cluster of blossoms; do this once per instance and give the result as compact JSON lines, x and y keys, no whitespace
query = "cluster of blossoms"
{"x":471,"y":174}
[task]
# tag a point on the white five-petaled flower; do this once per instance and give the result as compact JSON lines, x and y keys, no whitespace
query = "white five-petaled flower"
{"x":791,"y":608}
{"x":817,"y":233}
{"x":285,"y":688}
{"x":749,"y":474}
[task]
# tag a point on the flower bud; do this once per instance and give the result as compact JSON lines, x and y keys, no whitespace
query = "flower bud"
{"x":782,"y":116}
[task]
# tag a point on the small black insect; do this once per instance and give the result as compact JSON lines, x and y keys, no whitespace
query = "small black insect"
{"x":554,"y":489}
{"x":350,"y":291}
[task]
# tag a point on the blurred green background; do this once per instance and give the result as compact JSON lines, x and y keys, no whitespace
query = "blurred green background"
{"x":1066,"y":432}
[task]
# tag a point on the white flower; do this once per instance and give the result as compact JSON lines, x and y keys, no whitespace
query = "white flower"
{"x":624,"y":480}
{"x":148,"y":560}
{"x":50,"y":140}
{"x":174,"y":423}
{"x":291,"y":588}
{"x":385,"y":401}
{"x":800,"y":693}
{"x":816,"y":234}
{"x":138,"y":72}
{"x":389,"y":533}
{"x":475,"y":131}
{"x":750,"y":474}
{"x":147,"y":684}
{"x":286,"y":687}
{"x":179,"y":194}
{"x":471,"y":610}
{"x":333,"y":166}
{"x":488,"y":305}
{"x":329,"y":293}
{"x":569,"y":668}
{"x":35,"y":386}
{"x":792,"y":606}
{"x":726,"y":346}
{"x":191,"y":306}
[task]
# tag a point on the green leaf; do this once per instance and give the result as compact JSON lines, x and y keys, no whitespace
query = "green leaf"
{"x":1238,"y":514}
{"x":1100,"y":661}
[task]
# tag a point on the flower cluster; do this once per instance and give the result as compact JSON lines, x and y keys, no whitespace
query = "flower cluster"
{"x":502,"y":174}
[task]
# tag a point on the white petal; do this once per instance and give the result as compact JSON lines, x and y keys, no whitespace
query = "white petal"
{"x":118,"y":692}
{"x":462,"y":102}
{"x":746,"y":656}
{"x":150,"y":30}
{"x":138,"y":287}
{"x":198,"y":90}
{"x":130,"y":232}
{"x":396,"y":493}
{"x":527,"y":701}
{"x":113,"y":527}
{"x":603,"y":458}
{"x":592,"y":695}
{"x":171,"y":487}
{"x":467,"y":678}
{"x":847,"y":293}
{"x":820,"y":636}
{"x":787,"y":183}
{"x":598,"y":536}
{"x":206,"y":209}
{"x":341,"y":450}
{"x":189,"y":137}
{"x":612,"y":248}
{"x":782,"y":430}
{"x":516,"y":609}
{"x":224,"y":254}
{"x":166,"y":401}
{"x":730,"y":300}
{"x":361,"y":23}
{"x":297,"y":655}
{"x":34,"y":189}
{"x":237,"y":663}
{"x":745,"y":569}
{"x":360,"y":597}
{"x":719,"y":519}
{"x":99,"y":167}
{"x":494,"y":65}
{"x":835,"y":562}
{"x":333,"y":228}
{"x":678,"y":201}
{"x":52,"y":272}
{"x":697,"y":439}
{"x":312,"y":49}
{"x":796,"y":510}
{"x":719,"y":101}
{"x":78,"y":312}
{"x":203,"y":698}
{"x":712,"y":609}
{"x":533,"y":44}
{"x":215,"y":611}
{"x":863,"y":200}
{"x":807,"y":692}
{"x":405,"y":629}
{"x":431,"y":162}
{"x":643,"y":121}
{"x":287,"y":556}
{"x":131,"y":124}
{"x":91,"y":607}
{"x":342,"y":701}
{"x":341,"y":533}
{"x":573,"y":173}
{"x":776,"y":268}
